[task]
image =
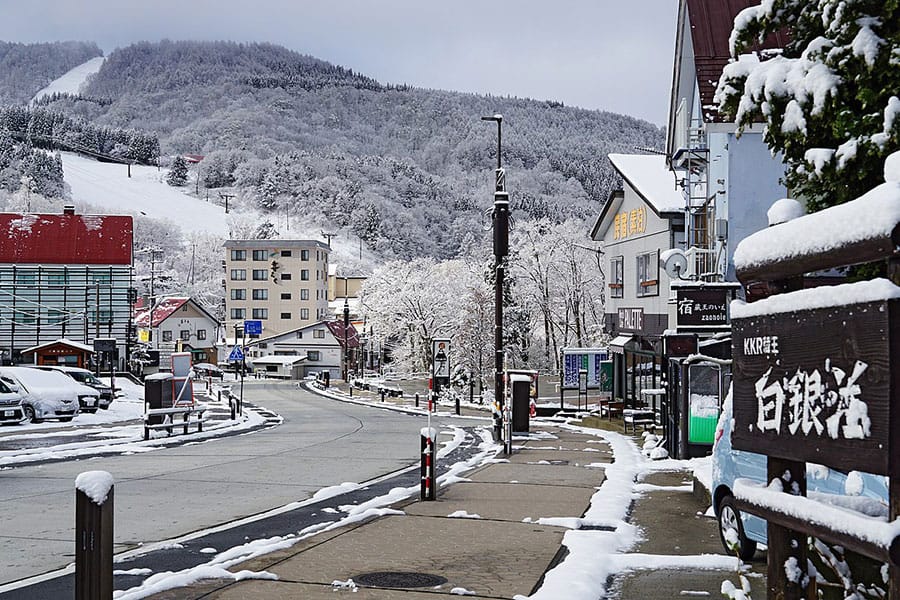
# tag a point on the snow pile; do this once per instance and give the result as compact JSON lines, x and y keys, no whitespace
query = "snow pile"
{"x":892,"y":163}
{"x":874,"y":214}
{"x":784,"y":210}
{"x":95,"y":485}
{"x":874,"y":290}
{"x":461,"y":514}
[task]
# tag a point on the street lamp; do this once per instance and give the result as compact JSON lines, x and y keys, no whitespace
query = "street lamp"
{"x":500,"y":218}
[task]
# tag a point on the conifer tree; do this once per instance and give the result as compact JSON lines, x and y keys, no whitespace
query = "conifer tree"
{"x":178,"y":173}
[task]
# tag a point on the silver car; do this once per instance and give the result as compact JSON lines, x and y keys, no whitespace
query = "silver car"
{"x":11,"y":409}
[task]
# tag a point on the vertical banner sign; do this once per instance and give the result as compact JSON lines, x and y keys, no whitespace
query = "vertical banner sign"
{"x":440,"y":358}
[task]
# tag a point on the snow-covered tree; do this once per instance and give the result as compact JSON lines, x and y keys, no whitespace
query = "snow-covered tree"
{"x":178,"y":173}
{"x":829,"y":98}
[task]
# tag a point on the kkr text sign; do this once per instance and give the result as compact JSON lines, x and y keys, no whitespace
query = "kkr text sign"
{"x":816,"y":385}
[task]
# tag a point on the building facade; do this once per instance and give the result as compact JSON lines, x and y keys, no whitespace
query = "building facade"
{"x":281,"y":283}
{"x":178,"y":324}
{"x":322,"y":345}
{"x":65,"y":276}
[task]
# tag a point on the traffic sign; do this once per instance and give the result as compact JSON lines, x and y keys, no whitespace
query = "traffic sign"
{"x":253,"y":327}
{"x":440,"y":357}
{"x":236,"y":355}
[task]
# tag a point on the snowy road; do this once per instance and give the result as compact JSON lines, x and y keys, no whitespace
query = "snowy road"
{"x":173,"y":491}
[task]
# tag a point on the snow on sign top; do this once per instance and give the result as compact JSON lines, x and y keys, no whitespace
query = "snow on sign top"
{"x":860,"y":292}
{"x":875,"y":214}
{"x":95,"y":485}
{"x":651,"y":178}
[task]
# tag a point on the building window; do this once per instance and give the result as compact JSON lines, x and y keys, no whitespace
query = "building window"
{"x":260,"y":274}
{"x":201,"y":334}
{"x":304,"y":294}
{"x":285,"y":276}
{"x":285,"y":295}
{"x":238,"y":313}
{"x":304,"y":313}
{"x":167,"y":336}
{"x":58,"y":278}
{"x":239,"y":274}
{"x":286,"y":315}
{"x":617,"y":277}
{"x":304,"y":255}
{"x":285,"y":253}
{"x":184,"y":334}
{"x":260,"y":313}
{"x":24,"y":278}
{"x":304,"y":275}
{"x":648,"y":274}
{"x":238,"y":294}
{"x":260,"y":255}
{"x":260,"y":294}
{"x":299,"y":335}
{"x":238,"y":255}
{"x":313,"y":355}
{"x":319,"y":334}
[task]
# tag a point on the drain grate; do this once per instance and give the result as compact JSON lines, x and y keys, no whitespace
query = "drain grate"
{"x":398,"y":579}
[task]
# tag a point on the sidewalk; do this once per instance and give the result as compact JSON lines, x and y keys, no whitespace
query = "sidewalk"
{"x":480,"y":538}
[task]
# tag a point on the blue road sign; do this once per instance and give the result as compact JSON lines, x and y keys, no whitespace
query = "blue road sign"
{"x":253,"y":327}
{"x":236,"y":354}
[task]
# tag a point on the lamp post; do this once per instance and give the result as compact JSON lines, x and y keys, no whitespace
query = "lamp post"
{"x":500,"y":218}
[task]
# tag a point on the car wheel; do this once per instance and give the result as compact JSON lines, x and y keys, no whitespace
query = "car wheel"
{"x":730,"y":519}
{"x":29,"y":415}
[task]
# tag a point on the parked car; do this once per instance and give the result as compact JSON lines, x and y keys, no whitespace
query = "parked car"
{"x":48,"y":395}
{"x":84,"y":377}
{"x":11,"y":410}
{"x":862,"y":492}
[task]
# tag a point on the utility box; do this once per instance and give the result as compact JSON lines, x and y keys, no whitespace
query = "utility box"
{"x":157,"y":394}
{"x":520,"y":386}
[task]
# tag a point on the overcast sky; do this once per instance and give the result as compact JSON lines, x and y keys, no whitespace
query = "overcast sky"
{"x":598,"y":54}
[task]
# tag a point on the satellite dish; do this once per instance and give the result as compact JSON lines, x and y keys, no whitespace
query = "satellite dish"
{"x":674,"y":263}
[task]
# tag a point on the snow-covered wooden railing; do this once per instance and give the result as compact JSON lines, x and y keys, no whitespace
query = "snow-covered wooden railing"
{"x":817,"y":379}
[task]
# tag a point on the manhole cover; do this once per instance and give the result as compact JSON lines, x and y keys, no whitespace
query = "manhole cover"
{"x":399,"y":579}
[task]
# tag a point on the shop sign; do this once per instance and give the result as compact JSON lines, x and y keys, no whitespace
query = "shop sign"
{"x":584,"y":359}
{"x":706,"y":307}
{"x":627,"y":223}
{"x":803,"y":393}
{"x":631,"y":319}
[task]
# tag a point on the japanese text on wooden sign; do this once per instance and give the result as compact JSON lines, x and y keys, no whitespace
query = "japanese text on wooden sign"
{"x":628,"y":223}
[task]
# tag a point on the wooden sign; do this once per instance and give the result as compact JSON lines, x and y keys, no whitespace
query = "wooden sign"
{"x":815,"y":385}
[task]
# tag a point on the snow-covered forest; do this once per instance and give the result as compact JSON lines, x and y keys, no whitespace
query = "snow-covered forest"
{"x":26,"y":68}
{"x":406,"y":172}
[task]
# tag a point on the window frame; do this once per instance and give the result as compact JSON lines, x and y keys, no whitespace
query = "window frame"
{"x":239,"y":275}
{"x":647,"y":274}
{"x":617,"y":277}
{"x":260,"y":294}
{"x":238,"y":255}
{"x":260,"y":313}
{"x":260,"y":255}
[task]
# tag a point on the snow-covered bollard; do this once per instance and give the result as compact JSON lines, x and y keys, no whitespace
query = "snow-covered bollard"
{"x":94,"y":536}
{"x":427,"y":490}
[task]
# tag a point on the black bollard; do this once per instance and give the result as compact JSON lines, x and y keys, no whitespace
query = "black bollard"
{"x":382,"y":394}
{"x":417,"y":399}
{"x":94,"y":536}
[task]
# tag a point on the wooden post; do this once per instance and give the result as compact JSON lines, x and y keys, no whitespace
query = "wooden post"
{"x":93,"y":547}
{"x":785,"y":545}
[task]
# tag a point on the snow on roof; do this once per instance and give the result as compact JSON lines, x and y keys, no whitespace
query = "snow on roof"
{"x":162,"y":311}
{"x":874,"y":214}
{"x":651,"y":179}
{"x":337,"y":330}
{"x":67,"y":342}
{"x":65,"y":239}
{"x":284,"y":361}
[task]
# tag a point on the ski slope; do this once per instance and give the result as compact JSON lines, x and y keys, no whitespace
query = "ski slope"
{"x":71,"y":82}
{"x":107,"y":185}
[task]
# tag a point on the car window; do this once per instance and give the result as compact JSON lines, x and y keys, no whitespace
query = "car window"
{"x":4,"y":389}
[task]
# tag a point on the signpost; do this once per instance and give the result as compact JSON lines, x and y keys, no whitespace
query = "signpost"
{"x":253,"y":328}
{"x":440,"y":363}
{"x":702,"y":307}
{"x":237,"y":356}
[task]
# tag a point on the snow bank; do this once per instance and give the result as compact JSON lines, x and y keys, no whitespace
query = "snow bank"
{"x":874,"y":290}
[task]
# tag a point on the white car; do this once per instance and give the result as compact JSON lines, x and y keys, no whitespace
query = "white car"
{"x":48,"y":394}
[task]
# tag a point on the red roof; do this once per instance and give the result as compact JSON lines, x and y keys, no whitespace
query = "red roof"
{"x":337,"y":330}
{"x":161,"y":312}
{"x":711,"y":24}
{"x":65,"y":239}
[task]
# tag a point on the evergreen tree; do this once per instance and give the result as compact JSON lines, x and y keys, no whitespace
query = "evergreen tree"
{"x":178,"y":173}
{"x":829,"y":99}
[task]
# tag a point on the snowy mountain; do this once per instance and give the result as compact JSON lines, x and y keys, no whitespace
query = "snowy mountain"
{"x":409,"y":171}
{"x":72,"y":81}
{"x":27,"y":68}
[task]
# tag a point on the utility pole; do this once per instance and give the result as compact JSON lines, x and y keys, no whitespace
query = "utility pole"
{"x":155,"y":255}
{"x":346,"y":334}
{"x":500,"y":218}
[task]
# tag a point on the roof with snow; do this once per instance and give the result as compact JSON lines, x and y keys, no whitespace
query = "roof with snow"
{"x":163,"y":310}
{"x":281,"y":360}
{"x":60,"y":341}
{"x":649,"y":176}
{"x":337,"y":330}
{"x":711,"y":24}
{"x":65,"y":239}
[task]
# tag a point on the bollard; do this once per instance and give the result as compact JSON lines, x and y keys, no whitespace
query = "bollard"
{"x":351,"y":390}
{"x":232,"y":404}
{"x":382,"y":394}
{"x":94,"y":536}
{"x":417,"y":399}
{"x":428,"y":488}
{"x":220,"y":396}
{"x":457,"y":404}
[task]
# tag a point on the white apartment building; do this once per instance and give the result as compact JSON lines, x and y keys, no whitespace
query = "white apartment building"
{"x":281,"y":283}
